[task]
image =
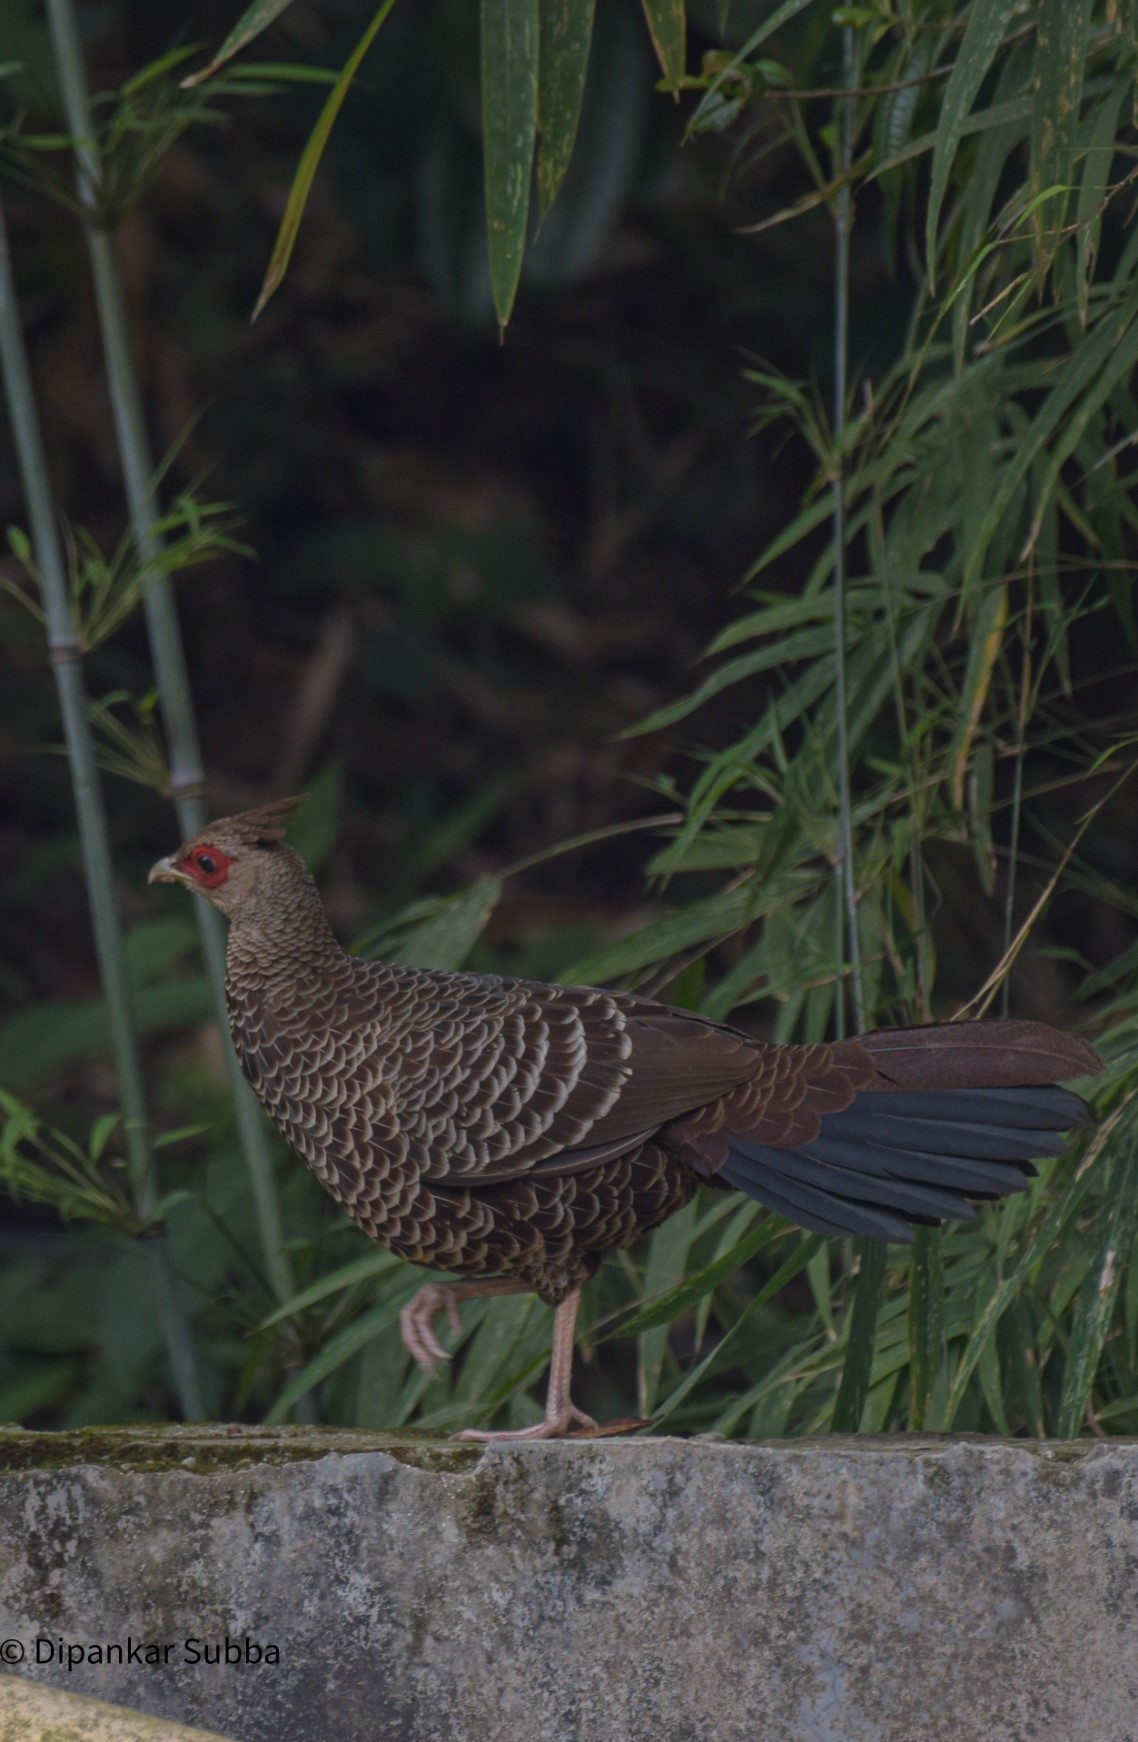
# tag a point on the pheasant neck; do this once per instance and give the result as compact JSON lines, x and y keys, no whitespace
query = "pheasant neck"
{"x":284,"y":938}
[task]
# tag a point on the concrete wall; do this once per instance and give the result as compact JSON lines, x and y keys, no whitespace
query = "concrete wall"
{"x":900,"y":1590}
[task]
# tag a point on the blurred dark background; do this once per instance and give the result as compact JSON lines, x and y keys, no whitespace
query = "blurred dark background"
{"x":475,"y":563}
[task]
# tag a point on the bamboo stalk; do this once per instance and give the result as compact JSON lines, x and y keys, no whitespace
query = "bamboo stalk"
{"x":66,"y":657}
{"x":1017,"y":785}
{"x":845,"y":866}
{"x":175,"y":700}
{"x":870,"y":1254}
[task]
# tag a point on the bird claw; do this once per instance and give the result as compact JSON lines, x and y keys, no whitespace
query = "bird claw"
{"x":416,"y":1324}
{"x":552,"y":1428}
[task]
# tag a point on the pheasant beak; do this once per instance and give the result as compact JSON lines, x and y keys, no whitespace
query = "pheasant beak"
{"x":166,"y":871}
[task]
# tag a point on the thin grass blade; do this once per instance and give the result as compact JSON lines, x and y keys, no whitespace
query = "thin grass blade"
{"x":310,"y":161}
{"x":1003,"y":1293}
{"x":336,"y":1281}
{"x":687,"y":1294}
{"x":786,"y":1272}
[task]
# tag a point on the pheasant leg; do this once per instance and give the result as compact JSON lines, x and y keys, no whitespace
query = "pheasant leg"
{"x":416,"y":1321}
{"x":560,"y":1411}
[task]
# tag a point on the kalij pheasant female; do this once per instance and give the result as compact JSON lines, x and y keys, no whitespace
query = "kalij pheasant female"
{"x":515,"y":1133}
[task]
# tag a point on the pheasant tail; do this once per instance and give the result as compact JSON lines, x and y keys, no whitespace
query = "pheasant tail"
{"x":904,"y":1125}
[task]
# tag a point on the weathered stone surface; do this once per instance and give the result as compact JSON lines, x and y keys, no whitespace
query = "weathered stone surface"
{"x":607,"y":1591}
{"x":36,"y":1714}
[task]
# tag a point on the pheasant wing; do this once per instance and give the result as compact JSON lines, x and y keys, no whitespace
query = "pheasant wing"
{"x":485,"y":1078}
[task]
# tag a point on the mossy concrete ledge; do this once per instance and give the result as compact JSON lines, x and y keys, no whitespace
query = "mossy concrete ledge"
{"x":650,"y":1590}
{"x":36,"y":1714}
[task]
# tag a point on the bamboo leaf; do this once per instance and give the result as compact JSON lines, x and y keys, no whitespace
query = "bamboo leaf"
{"x":718,"y":916}
{"x":1023,"y":1353}
{"x":45,"y":1038}
{"x":926,"y":1319}
{"x":1001,"y":1295}
{"x":688,"y":1293}
{"x":345,"y":1276}
{"x":857,"y":1369}
{"x":780,"y":16}
{"x":510,"y":37}
{"x":1119,"y":367}
{"x":340,"y":1348}
{"x":1118,"y":1224}
{"x":986,"y":641}
{"x":252,"y":21}
{"x":806,"y":645}
{"x":987,"y":22}
{"x":786,"y":1272}
{"x":667,"y":1257}
{"x":100,"y":1132}
{"x":512,"y":1335}
{"x":1060,"y":54}
{"x":668,"y":30}
{"x":1109,"y":353}
{"x":563,"y":61}
{"x":1100,"y":133}
{"x":988,"y":1370}
{"x":446,"y":938}
{"x":310,"y":161}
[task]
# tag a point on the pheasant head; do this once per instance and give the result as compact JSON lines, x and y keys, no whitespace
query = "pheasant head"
{"x":242,"y":865}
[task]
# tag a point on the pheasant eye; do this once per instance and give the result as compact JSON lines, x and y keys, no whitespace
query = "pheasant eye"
{"x":209,"y":865}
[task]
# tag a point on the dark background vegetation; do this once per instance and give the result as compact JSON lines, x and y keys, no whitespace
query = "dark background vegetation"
{"x":482,"y":560}
{"x":471,"y":565}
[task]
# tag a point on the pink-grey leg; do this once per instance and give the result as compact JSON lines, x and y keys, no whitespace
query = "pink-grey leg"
{"x":560,"y":1411}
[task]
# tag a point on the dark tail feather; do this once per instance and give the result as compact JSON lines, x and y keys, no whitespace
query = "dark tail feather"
{"x":780,"y":1190}
{"x":896,"y":1157}
{"x":1046,"y":1108}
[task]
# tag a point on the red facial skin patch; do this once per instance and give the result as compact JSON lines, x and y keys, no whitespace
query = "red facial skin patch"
{"x":207,"y":865}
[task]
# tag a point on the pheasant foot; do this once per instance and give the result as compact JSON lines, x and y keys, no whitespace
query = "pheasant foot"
{"x":416,"y":1321}
{"x":551,"y":1428}
{"x":560,"y":1411}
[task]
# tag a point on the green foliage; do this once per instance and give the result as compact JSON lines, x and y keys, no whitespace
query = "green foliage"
{"x":563,"y":61}
{"x":509,"y":43}
{"x":106,"y":590}
{"x":667,"y":26}
{"x":135,"y":128}
{"x":986,"y":461}
{"x":309,"y":163}
{"x":47,"y":1167}
{"x":534,"y":60}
